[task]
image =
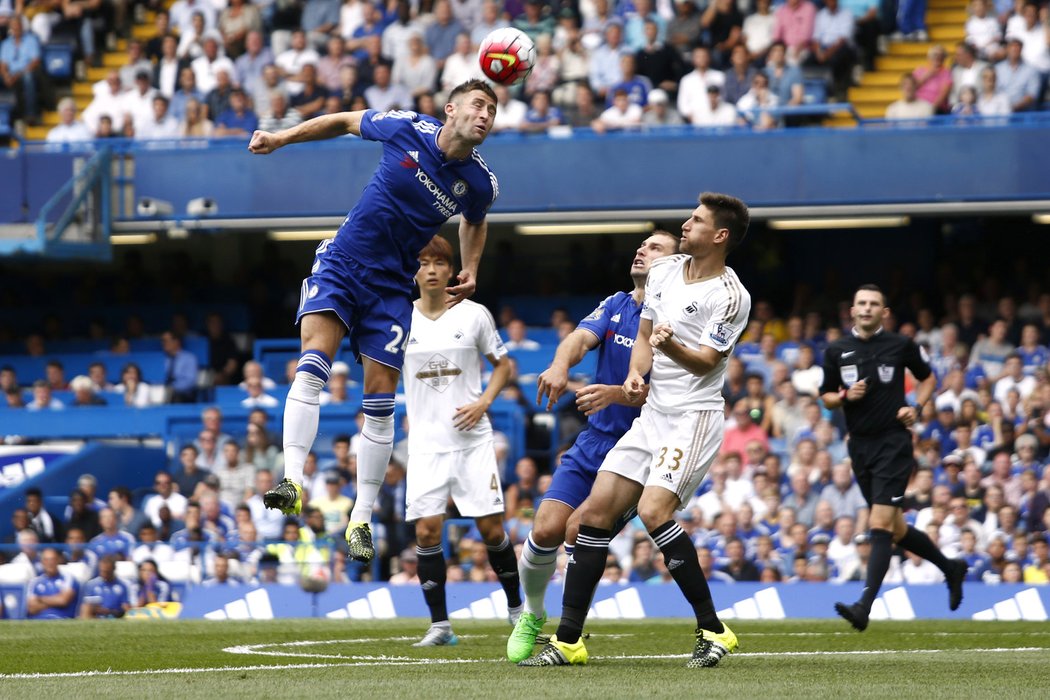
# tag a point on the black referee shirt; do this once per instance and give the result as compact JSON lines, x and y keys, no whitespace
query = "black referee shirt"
{"x":880,"y":361}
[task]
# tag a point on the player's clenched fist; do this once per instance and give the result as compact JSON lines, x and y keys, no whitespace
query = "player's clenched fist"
{"x":262,"y":143}
{"x":634,"y":386}
{"x":661,"y":334}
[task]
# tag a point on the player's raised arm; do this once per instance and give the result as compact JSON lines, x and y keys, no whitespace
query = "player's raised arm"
{"x":471,"y":244}
{"x":698,"y":361}
{"x":327,"y":126}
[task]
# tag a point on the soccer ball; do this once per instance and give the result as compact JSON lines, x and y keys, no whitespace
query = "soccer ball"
{"x":507,"y":55}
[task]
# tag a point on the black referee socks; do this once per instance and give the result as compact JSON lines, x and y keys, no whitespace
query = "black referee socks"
{"x":919,"y":543}
{"x":878,"y":564}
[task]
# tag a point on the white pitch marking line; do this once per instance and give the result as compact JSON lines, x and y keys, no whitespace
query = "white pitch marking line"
{"x":398,"y":661}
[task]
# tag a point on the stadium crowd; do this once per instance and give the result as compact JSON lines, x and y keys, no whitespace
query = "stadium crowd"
{"x":218,"y":68}
{"x":780,"y":504}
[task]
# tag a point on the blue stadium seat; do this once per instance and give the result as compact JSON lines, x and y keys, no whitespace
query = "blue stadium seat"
{"x":29,"y":369}
{"x":814,"y":91}
{"x":58,"y":60}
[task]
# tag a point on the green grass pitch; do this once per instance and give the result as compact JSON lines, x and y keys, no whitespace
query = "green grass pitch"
{"x":636,"y":659}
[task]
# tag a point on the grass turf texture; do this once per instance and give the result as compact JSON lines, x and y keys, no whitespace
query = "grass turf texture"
{"x":644,"y":658}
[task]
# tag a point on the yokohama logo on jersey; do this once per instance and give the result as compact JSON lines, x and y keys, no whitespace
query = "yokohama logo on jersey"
{"x":442,"y":202}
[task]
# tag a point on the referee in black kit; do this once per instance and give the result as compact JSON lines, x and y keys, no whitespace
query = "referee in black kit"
{"x":864,"y":374}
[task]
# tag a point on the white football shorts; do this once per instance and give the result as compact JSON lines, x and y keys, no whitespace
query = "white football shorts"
{"x":470,"y":477}
{"x":670,"y":451}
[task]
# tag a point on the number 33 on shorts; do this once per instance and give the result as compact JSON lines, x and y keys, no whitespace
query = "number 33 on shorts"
{"x":669,"y":458}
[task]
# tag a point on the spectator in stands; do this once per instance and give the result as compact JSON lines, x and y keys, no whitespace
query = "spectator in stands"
{"x":338,"y":382}
{"x":1018,"y":80}
{"x":510,"y":112}
{"x":737,"y":565}
{"x":235,"y":22}
{"x":97,"y":375}
{"x":516,"y":336}
{"x":290,"y":63}
{"x":1013,"y":378}
{"x":162,"y":125}
{"x":46,"y":525}
{"x":752,"y":107}
{"x":333,"y":505}
{"x":236,"y":478}
{"x":21,"y":69}
{"x":693,"y":101}
{"x":660,"y":112}
{"x":80,"y":516}
{"x":1002,"y":477}
{"x":217,"y":101}
{"x":793,"y":24}
{"x":332,"y":63}
{"x":260,"y":451}
{"x":249,"y":65}
{"x":151,"y":587}
{"x":384,"y":94}
{"x":546,"y":68}
{"x":52,"y":595}
{"x":191,"y":43}
{"x":832,"y":45}
{"x":69,"y":129}
{"x":533,"y":21}
{"x":415,"y":71}
{"x":441,"y":33}
{"x":187,"y":91}
{"x":237,"y":121}
{"x":42,"y":398}
{"x":267,"y":522}
{"x":309,"y":102}
{"x":802,"y":499}
{"x":136,"y":392}
{"x":719,"y":113}
{"x":541,"y":115}
{"x":983,"y":31}
{"x":135,"y":62}
{"x":257,"y":395}
{"x":723,"y":21}
{"x":683,"y":30}
{"x":84,"y":392}
{"x":490,"y":20}
{"x":221,"y":575}
{"x":182,"y":12}
{"x":189,"y":473}
{"x":28,"y":556}
{"x":623,"y":114}
{"x":634,"y":29}
{"x":114,"y":540}
{"x":739,"y":75}
{"x":909,"y":106}
{"x":161,"y":29}
{"x":165,"y":496}
{"x":319,"y":21}
{"x":128,"y":518}
{"x":990,"y":352}
{"x":584,"y":109}
{"x":55,"y":374}
{"x":658,"y":61}
{"x":210,"y":63}
{"x":150,"y":548}
{"x":1032,"y":27}
{"x":105,"y":596}
{"x":605,"y":69}
{"x":180,"y":369}
{"x":844,"y":496}
{"x":966,"y":71}
{"x":934,"y":81}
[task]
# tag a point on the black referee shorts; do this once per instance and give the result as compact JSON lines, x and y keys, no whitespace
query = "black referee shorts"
{"x":883,"y":465}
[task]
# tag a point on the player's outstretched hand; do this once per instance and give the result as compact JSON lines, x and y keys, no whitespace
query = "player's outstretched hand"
{"x":662,"y":334}
{"x":262,"y":143}
{"x":634,"y":387}
{"x":465,"y":288}
{"x":466,"y":417}
{"x":551,"y":384}
{"x":594,"y":397}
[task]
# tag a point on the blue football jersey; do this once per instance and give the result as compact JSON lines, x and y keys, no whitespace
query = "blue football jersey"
{"x":413,"y":192}
{"x":615,"y":323}
{"x":107,"y":594}
{"x":44,"y":586}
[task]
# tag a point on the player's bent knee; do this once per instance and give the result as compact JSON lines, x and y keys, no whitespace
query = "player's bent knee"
{"x":596,"y":514}
{"x":428,"y":531}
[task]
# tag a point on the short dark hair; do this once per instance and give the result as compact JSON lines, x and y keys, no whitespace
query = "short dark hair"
{"x":871,"y":288}
{"x":342,"y":437}
{"x":470,"y":86}
{"x":34,"y":491}
{"x":439,"y":248}
{"x":729,"y":213}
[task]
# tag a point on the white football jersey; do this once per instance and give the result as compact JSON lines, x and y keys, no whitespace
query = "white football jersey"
{"x":712,"y":312}
{"x":442,"y":372}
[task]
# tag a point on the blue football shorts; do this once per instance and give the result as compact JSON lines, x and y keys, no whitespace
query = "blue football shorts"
{"x":574,"y":477}
{"x":375,"y":307}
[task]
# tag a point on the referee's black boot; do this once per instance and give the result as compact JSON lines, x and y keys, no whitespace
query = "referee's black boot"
{"x":856,"y":615}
